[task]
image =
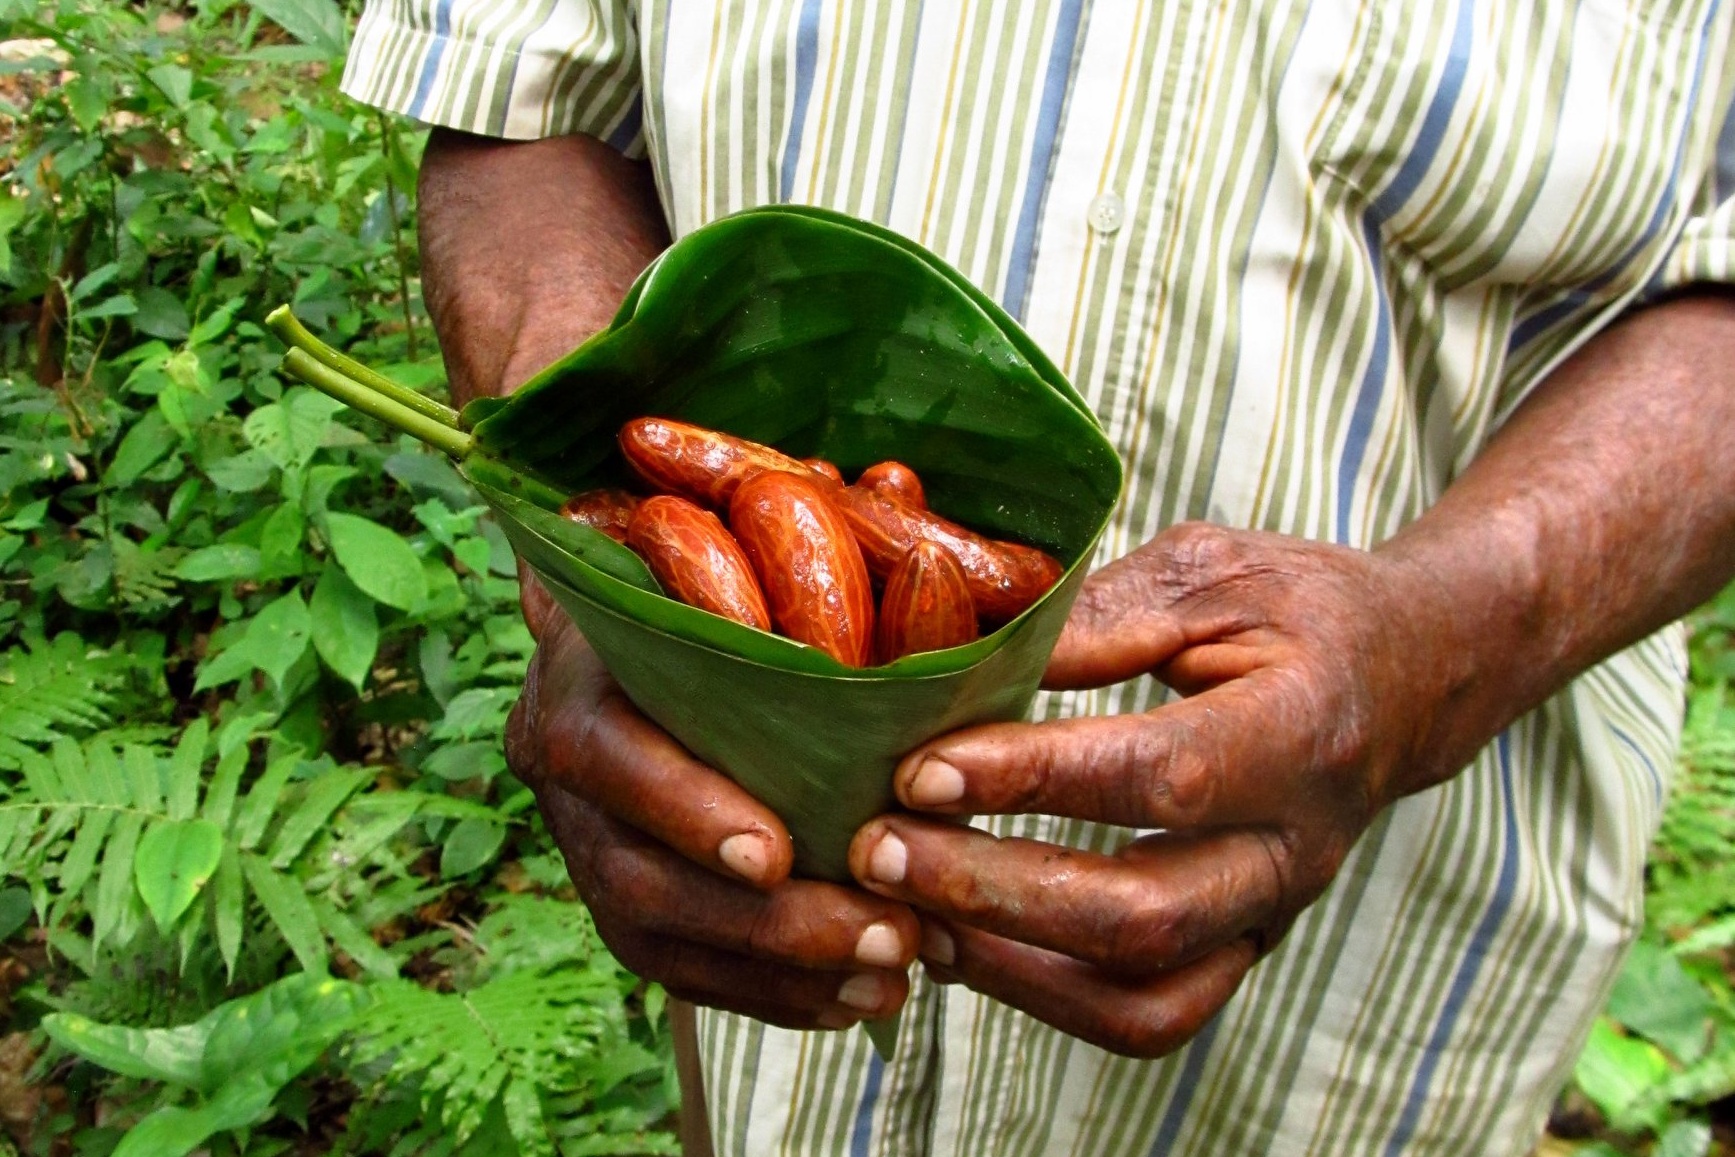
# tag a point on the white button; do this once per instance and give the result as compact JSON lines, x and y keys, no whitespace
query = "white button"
{"x":1106,"y":213}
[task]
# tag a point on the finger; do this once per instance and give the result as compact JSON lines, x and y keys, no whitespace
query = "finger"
{"x":1119,"y":627}
{"x":573,"y":729}
{"x":800,"y":922}
{"x":534,"y":602}
{"x":1145,"y":1018}
{"x":1199,"y":762}
{"x":1176,"y":903}
{"x":847,"y":965}
{"x":778,"y":994}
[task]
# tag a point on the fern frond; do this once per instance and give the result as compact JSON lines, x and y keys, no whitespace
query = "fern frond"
{"x":50,"y":691}
{"x":507,"y":1040}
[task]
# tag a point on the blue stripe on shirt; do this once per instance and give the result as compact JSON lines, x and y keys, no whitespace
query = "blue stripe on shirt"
{"x":806,"y":55}
{"x":1037,"y":174}
{"x":431,"y":66}
{"x":1427,"y":146}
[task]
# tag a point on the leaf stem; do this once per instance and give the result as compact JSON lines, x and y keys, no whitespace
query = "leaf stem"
{"x":298,"y":363}
{"x":288,"y":327}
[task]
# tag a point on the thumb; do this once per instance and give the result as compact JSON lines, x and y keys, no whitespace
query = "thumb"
{"x":1121,"y":626}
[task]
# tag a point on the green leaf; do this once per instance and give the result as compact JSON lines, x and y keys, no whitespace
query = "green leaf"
{"x":1616,"y":1071}
{"x":280,"y":540}
{"x":1684,"y":1139}
{"x":93,"y":281}
{"x":229,"y":907}
{"x":120,"y":305}
{"x":286,"y":903}
{"x":114,"y":883}
{"x":219,"y":563}
{"x":86,"y":101}
{"x":323,"y":796}
{"x":1655,"y":997}
{"x":185,"y":768}
{"x":175,"y":81}
{"x":472,"y":844}
{"x":175,"y":860}
{"x":169,"y":1055}
{"x":460,"y":761}
{"x":241,"y":473}
{"x":144,"y":444}
{"x":378,"y":561}
{"x":288,"y":432}
{"x":161,"y":314}
{"x":239,"y":1056}
{"x":318,"y":23}
{"x":278,"y":635}
{"x":346,"y":631}
{"x":14,"y":911}
{"x":173,"y":1131}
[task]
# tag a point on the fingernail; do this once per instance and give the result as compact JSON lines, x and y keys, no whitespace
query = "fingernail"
{"x":938,"y":946}
{"x":745,"y":854}
{"x":880,"y":945}
{"x":864,"y":990}
{"x":888,"y":860}
{"x":936,"y":782}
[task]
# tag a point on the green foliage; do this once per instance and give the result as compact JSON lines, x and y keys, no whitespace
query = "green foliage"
{"x":527,"y":1039}
{"x":255,"y":658}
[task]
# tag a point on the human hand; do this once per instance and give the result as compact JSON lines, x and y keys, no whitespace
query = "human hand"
{"x":685,"y":874}
{"x":1317,"y":678}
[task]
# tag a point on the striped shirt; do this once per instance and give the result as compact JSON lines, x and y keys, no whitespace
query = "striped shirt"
{"x":1301,"y":257}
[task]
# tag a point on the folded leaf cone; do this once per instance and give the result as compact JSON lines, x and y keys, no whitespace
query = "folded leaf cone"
{"x":825,"y":337}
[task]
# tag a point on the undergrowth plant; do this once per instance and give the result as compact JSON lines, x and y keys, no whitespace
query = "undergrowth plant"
{"x":1662,"y":1058}
{"x":266,"y":884}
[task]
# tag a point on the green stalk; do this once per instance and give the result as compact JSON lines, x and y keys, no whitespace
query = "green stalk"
{"x":297,"y":336}
{"x":298,"y":363}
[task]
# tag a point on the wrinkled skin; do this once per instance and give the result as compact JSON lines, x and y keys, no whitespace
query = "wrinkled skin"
{"x":1323,"y":682}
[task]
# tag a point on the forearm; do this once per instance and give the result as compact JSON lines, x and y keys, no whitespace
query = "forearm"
{"x":1601,"y":511}
{"x":528,"y":249}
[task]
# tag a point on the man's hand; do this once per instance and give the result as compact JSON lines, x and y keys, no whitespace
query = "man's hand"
{"x":685,"y":874}
{"x":1312,"y":678}
{"x":1323,"y":684}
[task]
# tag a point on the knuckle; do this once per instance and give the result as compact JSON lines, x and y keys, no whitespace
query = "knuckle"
{"x":1177,"y":781}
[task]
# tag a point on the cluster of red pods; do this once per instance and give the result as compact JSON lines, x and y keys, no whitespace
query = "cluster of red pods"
{"x":802,"y":552}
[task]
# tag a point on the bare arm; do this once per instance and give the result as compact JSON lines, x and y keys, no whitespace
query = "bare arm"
{"x":1325,"y":684}
{"x":527,"y":249}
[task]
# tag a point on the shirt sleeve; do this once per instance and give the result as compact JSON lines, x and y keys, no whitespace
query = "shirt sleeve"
{"x":1705,"y":250}
{"x":519,"y":69}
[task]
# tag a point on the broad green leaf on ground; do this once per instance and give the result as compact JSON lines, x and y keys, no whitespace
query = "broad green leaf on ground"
{"x":175,"y":858}
{"x":346,"y":631}
{"x":1616,"y":1072}
{"x":1655,"y":997}
{"x":378,"y":561}
{"x":237,"y":1057}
